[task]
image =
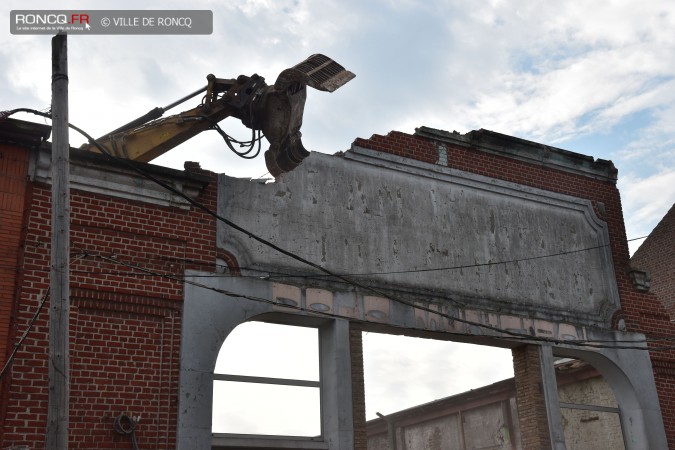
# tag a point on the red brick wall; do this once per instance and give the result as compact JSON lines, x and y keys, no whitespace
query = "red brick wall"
{"x":657,"y":256}
{"x":13,"y":175}
{"x":532,"y":414}
{"x":125,"y":323}
{"x":642,"y":311}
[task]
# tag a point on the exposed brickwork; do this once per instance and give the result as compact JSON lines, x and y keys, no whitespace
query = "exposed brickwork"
{"x":13,"y":170}
{"x":532,"y":415}
{"x":657,"y":256}
{"x":358,"y":387}
{"x":230,"y":261}
{"x":642,"y":311}
{"x":125,"y":319}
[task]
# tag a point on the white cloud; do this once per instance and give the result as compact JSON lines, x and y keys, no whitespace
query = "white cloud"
{"x":654,"y":145}
{"x":646,"y":200}
{"x":422,"y":370}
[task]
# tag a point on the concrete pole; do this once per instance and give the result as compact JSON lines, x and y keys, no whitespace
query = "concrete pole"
{"x":550,"y":387}
{"x":59,"y":370}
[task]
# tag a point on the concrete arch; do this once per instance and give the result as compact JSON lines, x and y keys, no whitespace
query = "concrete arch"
{"x":210,"y":314}
{"x":629,"y":374}
{"x":208,"y":319}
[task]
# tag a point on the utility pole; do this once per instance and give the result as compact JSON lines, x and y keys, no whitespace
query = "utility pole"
{"x":59,"y":364}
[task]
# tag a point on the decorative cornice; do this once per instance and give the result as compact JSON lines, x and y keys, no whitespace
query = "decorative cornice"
{"x":95,"y":173}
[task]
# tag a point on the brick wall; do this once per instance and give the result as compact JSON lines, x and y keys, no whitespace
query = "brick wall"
{"x":657,"y":256}
{"x":586,"y":429}
{"x":642,"y":311}
{"x":532,"y":415}
{"x":124,"y":321}
{"x":13,"y":171}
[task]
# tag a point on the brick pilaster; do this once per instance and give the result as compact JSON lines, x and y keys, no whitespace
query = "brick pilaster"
{"x":530,"y":398}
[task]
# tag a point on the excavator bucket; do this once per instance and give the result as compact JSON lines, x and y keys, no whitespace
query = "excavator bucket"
{"x":317,"y":71}
{"x":283,"y":106}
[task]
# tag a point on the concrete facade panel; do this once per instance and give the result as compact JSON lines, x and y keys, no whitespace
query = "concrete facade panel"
{"x":493,"y":239}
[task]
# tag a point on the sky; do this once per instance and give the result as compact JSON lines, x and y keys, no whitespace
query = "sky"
{"x":595,"y":77}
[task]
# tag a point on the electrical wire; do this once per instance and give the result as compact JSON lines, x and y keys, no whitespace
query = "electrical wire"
{"x":144,"y":272}
{"x":460,"y":267}
{"x":26,"y":332}
{"x":363,"y":274}
{"x":139,"y":271}
{"x":298,"y":258}
{"x":510,"y":336}
{"x":126,"y":426}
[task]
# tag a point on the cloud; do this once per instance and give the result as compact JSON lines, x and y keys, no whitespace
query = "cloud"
{"x":646,"y":200}
{"x":653,"y":146}
{"x":423,"y":370}
{"x":270,"y":350}
{"x":266,"y":409}
{"x":552,"y":72}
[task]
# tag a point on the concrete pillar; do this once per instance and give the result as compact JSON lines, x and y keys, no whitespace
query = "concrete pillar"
{"x":537,"y":398}
{"x":336,"y":385}
{"x":358,"y":388}
{"x":550,"y":388}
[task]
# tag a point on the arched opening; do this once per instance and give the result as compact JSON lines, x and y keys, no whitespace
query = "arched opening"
{"x":589,"y":410}
{"x":633,"y":391}
{"x":266,"y":382}
{"x":208,"y":321}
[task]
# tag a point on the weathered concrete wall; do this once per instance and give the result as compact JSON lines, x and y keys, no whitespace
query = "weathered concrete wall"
{"x":472,"y":240}
{"x":402,"y":221}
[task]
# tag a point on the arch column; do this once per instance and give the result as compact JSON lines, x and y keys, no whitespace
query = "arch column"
{"x":537,"y":398}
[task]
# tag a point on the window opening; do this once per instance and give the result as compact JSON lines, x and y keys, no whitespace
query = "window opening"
{"x":266,"y":382}
{"x":438,"y":394}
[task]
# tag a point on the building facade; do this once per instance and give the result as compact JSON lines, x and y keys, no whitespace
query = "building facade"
{"x":479,"y":237}
{"x":124,"y":322}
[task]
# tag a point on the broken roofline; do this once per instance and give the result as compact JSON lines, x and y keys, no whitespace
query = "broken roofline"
{"x":505,"y":146}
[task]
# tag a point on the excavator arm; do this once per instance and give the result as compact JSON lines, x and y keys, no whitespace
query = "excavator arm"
{"x":274,"y":110}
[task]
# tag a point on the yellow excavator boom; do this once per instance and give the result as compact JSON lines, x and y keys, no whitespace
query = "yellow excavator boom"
{"x":274,"y":110}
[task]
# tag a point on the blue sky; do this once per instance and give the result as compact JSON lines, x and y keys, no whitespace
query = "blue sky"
{"x":595,"y":77}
